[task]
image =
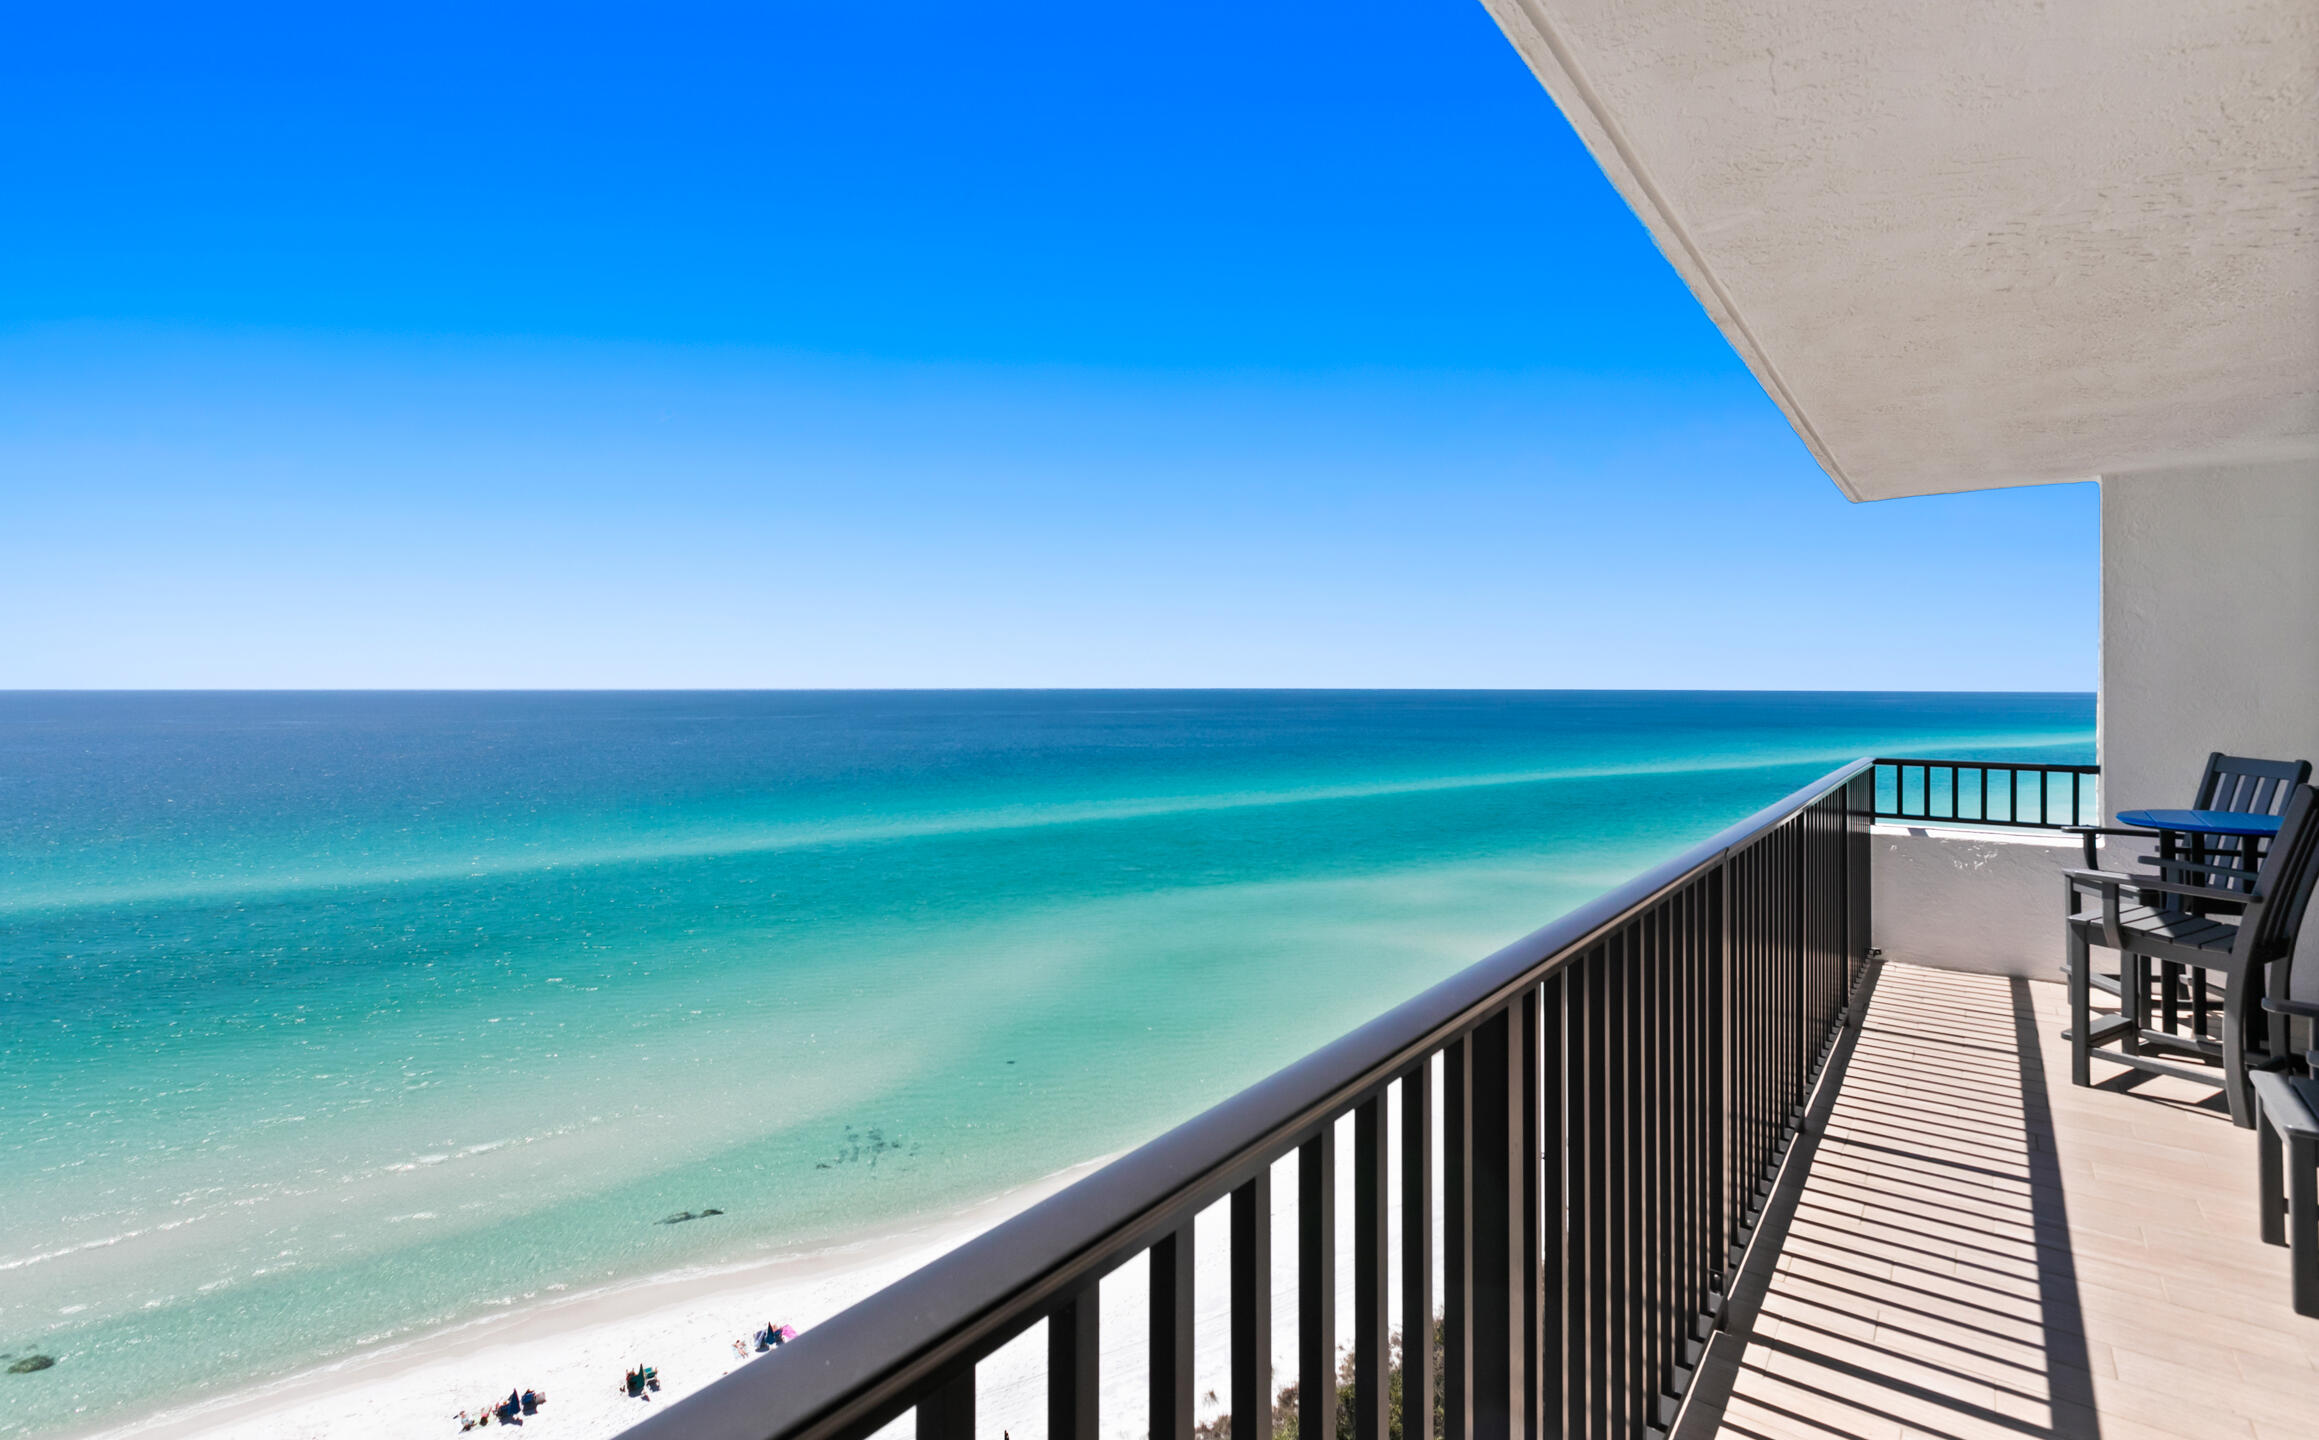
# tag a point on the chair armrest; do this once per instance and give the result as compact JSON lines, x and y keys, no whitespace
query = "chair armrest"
{"x":2112,"y":881}
{"x":2200,"y":867}
{"x":2303,"y":1008}
{"x":2073,"y":882}
{"x":2286,"y":1103}
{"x":2086,"y":833}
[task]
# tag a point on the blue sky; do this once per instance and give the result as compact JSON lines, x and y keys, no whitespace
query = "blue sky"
{"x":905,"y":345}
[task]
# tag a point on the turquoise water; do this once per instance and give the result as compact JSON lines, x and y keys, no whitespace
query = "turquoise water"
{"x":336,"y":1018}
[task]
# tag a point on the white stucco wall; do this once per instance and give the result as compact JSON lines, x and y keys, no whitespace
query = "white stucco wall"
{"x":1970,"y":899}
{"x":2210,"y":624}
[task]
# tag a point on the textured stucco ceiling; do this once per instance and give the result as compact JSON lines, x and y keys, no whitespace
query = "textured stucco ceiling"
{"x":1980,"y":242}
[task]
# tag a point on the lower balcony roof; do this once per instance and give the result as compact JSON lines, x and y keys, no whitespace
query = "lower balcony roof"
{"x":1982,"y":244}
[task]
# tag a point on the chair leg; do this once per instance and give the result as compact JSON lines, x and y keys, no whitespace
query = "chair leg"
{"x":2278,"y":1036}
{"x":2270,"y":1180}
{"x":2081,"y":1018}
{"x":2236,"y":1088}
{"x":2170,"y":988}
{"x":2303,"y":1223}
{"x":2134,"y":1000}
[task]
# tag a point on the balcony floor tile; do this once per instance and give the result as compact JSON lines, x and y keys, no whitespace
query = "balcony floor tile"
{"x":1979,"y":1249}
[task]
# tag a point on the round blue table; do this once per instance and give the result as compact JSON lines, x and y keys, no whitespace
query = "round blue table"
{"x":2237,"y":824}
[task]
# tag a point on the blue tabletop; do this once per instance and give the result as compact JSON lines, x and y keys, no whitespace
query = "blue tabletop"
{"x":2209,"y":822}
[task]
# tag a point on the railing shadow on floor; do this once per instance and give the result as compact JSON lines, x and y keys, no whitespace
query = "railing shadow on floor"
{"x":1914,"y":1271}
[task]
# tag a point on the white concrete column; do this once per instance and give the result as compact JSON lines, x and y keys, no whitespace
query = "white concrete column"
{"x":2210,"y":624}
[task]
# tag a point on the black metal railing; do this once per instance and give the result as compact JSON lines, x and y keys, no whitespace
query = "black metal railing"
{"x":1979,"y":792}
{"x":1617,"y":1093}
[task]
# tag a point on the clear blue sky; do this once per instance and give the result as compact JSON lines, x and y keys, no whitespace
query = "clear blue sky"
{"x":770,"y":345}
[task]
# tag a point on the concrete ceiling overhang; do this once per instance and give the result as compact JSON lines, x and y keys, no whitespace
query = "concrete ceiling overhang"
{"x":1983,"y":242}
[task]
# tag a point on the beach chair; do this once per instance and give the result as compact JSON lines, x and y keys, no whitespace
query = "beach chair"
{"x":2186,"y":923}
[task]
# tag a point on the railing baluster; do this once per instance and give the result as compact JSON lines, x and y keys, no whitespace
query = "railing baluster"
{"x":1582,"y":1258}
{"x":1074,"y":1347}
{"x":1457,"y":1226}
{"x":948,"y":1412}
{"x":1171,"y":1336}
{"x":1619,"y":1203}
{"x":1370,"y":1260}
{"x":1498,"y":1205}
{"x":1667,"y":1321}
{"x":1417,"y":1252}
{"x":1702,"y":1031}
{"x":1674,"y":1110}
{"x":1651,"y":1213}
{"x":1640,"y":1383}
{"x":1553,"y":1182}
{"x":1316,"y":1283}
{"x":1673,"y":1015}
{"x":1758,"y":1000}
{"x":1525,"y":1205}
{"x":1251,"y":1308}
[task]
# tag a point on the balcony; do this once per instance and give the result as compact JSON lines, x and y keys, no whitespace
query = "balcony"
{"x":1691,"y":1160}
{"x":1976,"y":1248}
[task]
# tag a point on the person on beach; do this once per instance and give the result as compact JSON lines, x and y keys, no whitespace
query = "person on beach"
{"x":740,"y":1350}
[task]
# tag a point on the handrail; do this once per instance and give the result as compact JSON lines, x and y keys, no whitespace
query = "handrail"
{"x":909,"y":1343}
{"x":1976,"y":795}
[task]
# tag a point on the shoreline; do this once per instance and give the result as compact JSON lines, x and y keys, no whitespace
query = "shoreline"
{"x":575,"y":1346}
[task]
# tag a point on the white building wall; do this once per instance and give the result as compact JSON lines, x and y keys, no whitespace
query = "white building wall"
{"x":2210,"y":624}
{"x":1976,"y":900}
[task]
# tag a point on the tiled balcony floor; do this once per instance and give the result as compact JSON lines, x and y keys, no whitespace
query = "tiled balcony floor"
{"x":1978,"y":1249}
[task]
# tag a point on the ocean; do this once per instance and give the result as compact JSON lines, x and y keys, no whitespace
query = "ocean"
{"x":330,"y":1019}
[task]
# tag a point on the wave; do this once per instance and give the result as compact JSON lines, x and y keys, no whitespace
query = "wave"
{"x":102,"y":1242}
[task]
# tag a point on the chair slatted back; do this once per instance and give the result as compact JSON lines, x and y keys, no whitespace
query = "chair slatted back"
{"x":2286,"y":880}
{"x":2242,"y":785}
{"x":2247,"y":786}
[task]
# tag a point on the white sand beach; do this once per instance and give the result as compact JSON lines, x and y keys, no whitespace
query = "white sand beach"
{"x":576,"y":1347}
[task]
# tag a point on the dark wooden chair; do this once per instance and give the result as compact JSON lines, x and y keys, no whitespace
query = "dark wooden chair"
{"x":2287,"y":1142}
{"x":2240,"y":784}
{"x":2185,"y":923}
{"x":2237,"y":783}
